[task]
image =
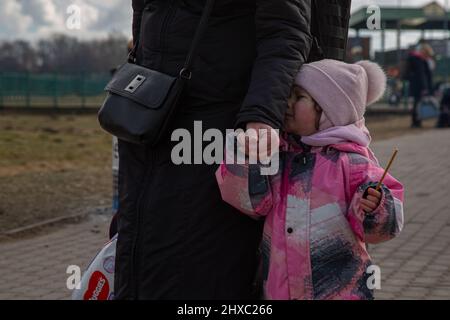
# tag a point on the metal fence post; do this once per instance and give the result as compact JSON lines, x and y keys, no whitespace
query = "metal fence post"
{"x":83,"y":92}
{"x":1,"y":91}
{"x":27,"y":90}
{"x":55,"y":90}
{"x":406,"y":94}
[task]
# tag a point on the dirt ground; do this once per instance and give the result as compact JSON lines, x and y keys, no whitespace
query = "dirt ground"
{"x":52,"y":166}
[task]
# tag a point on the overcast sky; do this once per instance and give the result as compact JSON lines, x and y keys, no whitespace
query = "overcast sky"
{"x":33,"y":19}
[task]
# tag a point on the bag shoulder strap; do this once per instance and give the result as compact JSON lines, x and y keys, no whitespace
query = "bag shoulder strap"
{"x":185,"y":72}
{"x":201,"y":28}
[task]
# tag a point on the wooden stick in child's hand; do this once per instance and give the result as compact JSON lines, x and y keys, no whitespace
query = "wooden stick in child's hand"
{"x":387,"y":169}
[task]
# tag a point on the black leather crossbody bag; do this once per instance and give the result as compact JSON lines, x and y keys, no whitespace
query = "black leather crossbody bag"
{"x":141,"y":102}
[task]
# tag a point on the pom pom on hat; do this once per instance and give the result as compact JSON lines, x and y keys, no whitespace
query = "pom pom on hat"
{"x":376,"y":80}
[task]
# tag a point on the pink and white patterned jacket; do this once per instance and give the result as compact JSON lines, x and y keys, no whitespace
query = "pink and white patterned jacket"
{"x":315,"y":235}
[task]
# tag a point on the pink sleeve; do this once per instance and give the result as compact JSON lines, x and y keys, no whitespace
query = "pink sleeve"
{"x":243,"y":187}
{"x":386,"y":221}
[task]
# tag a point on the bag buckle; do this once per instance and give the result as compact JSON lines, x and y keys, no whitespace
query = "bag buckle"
{"x":185,"y":74}
{"x":135,"y":83}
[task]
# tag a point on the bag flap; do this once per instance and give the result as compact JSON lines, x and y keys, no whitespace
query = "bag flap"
{"x":142,"y":85}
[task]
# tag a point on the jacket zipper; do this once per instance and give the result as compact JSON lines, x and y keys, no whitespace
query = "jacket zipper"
{"x":284,"y":193}
{"x":306,"y":156}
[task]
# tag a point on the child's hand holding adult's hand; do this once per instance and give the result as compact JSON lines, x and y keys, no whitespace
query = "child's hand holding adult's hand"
{"x":260,"y":141}
{"x":372,"y":201}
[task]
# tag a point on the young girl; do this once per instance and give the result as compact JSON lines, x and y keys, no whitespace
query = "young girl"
{"x":322,"y":206}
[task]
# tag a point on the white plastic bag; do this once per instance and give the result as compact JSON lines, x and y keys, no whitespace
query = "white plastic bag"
{"x":97,"y":282}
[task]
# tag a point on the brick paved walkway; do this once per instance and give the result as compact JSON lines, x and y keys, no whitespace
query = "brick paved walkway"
{"x":416,"y":265}
{"x":36,"y":268}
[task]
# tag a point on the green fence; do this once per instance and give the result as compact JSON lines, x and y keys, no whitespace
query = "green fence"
{"x":52,"y":90}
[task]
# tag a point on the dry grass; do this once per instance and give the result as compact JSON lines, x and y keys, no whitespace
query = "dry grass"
{"x":51,"y":166}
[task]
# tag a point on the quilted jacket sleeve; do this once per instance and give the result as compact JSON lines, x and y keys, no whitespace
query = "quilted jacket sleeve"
{"x":283,"y":45}
{"x":244,"y":187}
{"x":386,"y":221}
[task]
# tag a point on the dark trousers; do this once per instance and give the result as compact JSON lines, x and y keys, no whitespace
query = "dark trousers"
{"x":414,"y":112}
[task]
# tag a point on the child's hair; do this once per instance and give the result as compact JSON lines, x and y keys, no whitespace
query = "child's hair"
{"x":343,"y":90}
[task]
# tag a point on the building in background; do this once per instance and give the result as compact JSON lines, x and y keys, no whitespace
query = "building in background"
{"x":431,"y":17}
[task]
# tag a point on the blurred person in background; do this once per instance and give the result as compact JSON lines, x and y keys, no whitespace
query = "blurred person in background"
{"x":419,"y":68}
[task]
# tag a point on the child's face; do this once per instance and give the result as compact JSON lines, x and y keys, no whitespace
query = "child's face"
{"x":303,"y":113}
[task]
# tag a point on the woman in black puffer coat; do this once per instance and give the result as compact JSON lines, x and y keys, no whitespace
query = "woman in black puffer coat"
{"x":177,"y":238}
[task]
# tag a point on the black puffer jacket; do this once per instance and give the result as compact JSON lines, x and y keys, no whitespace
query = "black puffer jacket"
{"x":248,"y":56}
{"x":177,"y":238}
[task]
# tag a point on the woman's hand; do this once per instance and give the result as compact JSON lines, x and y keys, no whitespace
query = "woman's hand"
{"x":372,"y":201}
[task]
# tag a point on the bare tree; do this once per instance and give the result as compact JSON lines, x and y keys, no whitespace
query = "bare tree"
{"x":63,"y":54}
